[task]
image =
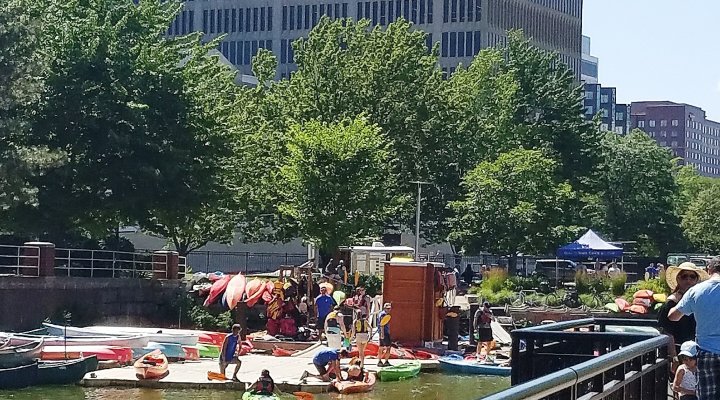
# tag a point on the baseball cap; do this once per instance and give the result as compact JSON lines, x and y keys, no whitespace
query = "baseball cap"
{"x":387,"y":305}
{"x":689,"y":349}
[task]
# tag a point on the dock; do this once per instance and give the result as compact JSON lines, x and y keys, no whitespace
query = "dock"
{"x":286,"y":372}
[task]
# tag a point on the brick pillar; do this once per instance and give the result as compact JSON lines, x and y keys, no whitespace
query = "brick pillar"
{"x":165,"y":264}
{"x":40,"y":255}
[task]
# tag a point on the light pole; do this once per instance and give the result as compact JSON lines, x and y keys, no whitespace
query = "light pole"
{"x":417,"y":217}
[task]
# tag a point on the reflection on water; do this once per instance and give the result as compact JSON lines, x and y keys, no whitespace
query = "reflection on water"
{"x":426,"y":387}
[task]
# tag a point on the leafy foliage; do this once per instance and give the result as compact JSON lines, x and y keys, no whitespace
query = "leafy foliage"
{"x":494,"y":279}
{"x":700,"y":222}
{"x":371,"y":283}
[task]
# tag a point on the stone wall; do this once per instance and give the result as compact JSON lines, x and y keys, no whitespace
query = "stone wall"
{"x":26,"y":301}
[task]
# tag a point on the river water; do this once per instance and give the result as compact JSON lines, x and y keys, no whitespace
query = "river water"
{"x":433,"y":386}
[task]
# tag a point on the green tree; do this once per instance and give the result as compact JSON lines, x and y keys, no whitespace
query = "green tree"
{"x":701,"y":219}
{"x":388,"y":75}
{"x":513,"y":204}
{"x":146,"y":122}
{"x":637,"y":192}
{"x":337,"y":183}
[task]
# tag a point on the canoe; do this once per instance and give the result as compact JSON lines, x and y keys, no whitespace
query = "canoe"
{"x":457,"y":365}
{"x":153,"y":365}
{"x":173,"y":351}
{"x":254,"y":290}
{"x":208,"y":350}
{"x":22,"y":354}
{"x":65,"y":372}
{"x":348,"y":387}
{"x":123,"y":355}
{"x":120,"y":341}
{"x":399,"y":372}
{"x":187,"y":338}
{"x":217,"y":289}
{"x":19,"y":377}
{"x":235,"y":290}
{"x":252,"y":396}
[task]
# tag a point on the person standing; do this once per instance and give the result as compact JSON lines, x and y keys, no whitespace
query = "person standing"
{"x":482,"y":322}
{"x":679,"y":279}
{"x":385,"y":339}
{"x":361,"y":332}
{"x":229,"y":351}
{"x":468,"y":274}
{"x":361,"y":301}
{"x":685,"y":382}
{"x":323,"y":305}
{"x":703,"y":301}
{"x":333,"y":328}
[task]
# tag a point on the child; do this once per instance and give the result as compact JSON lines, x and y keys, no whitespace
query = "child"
{"x":264,"y":385}
{"x":229,"y":350}
{"x":685,"y":383}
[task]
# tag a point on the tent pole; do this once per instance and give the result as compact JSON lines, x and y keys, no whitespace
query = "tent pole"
{"x":557,"y":285}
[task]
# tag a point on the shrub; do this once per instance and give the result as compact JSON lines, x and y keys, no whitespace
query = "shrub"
{"x":582,"y":282}
{"x":617,"y":284}
{"x":494,"y":280}
{"x":371,"y":283}
{"x":499,"y":298}
{"x":518,"y":283}
{"x":204,"y":319}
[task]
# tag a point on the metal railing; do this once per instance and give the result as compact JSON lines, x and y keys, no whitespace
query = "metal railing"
{"x":109,"y":264}
{"x":246,"y":262}
{"x":19,"y":260}
{"x":587,"y":362}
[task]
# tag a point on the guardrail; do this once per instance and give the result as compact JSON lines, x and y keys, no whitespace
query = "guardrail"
{"x":245,"y":262}
{"x":580,"y":360}
{"x":19,"y":260}
{"x":111,"y":264}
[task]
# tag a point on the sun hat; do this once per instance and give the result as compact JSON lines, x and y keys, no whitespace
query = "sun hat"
{"x":672,"y":273}
{"x":689,"y":349}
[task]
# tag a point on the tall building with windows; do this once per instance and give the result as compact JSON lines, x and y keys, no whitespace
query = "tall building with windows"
{"x":590,"y":64}
{"x":601,"y":101}
{"x":463,"y":27}
{"x":684,"y":129}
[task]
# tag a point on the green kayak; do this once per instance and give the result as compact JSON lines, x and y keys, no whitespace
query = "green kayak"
{"x":253,"y":396}
{"x":208,"y":350}
{"x":399,"y":372}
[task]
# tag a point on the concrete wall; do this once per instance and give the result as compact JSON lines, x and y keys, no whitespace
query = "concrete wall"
{"x":26,"y":301}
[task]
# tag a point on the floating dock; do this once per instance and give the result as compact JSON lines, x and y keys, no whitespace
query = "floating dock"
{"x":286,"y":372}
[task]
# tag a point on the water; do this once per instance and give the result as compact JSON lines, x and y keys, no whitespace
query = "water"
{"x":434,"y":386}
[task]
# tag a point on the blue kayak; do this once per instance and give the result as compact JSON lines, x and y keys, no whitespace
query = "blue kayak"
{"x":172,"y":351}
{"x":456,"y":364}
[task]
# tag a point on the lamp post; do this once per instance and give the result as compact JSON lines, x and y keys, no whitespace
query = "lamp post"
{"x":417,"y":216}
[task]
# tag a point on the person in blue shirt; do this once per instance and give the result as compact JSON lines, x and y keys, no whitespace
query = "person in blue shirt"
{"x":228,"y":352}
{"x":324,"y":303}
{"x":383,"y":323}
{"x":327,"y":364}
{"x":703,"y":301}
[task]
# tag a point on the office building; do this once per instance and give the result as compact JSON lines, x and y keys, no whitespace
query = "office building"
{"x":463,"y":27}
{"x":590,"y":64}
{"x":682,"y":128}
{"x":601,"y":101}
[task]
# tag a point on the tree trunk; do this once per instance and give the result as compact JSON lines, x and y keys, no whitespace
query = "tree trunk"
{"x":325,"y":257}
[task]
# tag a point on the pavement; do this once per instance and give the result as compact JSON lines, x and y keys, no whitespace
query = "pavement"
{"x":286,"y":372}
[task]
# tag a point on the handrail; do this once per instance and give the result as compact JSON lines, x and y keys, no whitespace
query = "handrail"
{"x":570,"y":377}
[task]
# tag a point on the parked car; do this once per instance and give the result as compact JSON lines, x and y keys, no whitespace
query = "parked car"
{"x":566,"y":269}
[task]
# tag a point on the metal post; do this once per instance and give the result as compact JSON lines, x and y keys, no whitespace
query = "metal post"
{"x":417,"y":218}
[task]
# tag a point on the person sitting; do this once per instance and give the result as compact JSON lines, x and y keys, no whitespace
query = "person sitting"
{"x":264,"y":385}
{"x":327,"y":364}
{"x":356,"y":373}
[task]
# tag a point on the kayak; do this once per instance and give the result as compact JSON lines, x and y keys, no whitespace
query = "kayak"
{"x":172,"y":351}
{"x":153,"y":365}
{"x":208,"y":350}
{"x":235,"y":290}
{"x":122,"y":355}
{"x":457,"y":364}
{"x":191,"y":353}
{"x":217,"y":289}
{"x":252,"y":396}
{"x":347,"y":387}
{"x":399,"y":372}
{"x":254,"y":290}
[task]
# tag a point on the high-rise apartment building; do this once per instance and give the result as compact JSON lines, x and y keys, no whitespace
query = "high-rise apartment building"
{"x":463,"y":27}
{"x":589,"y":69}
{"x":684,"y":129}
{"x":601,"y":101}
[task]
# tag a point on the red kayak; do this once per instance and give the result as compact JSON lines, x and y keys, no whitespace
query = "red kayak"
{"x":254,"y":290}
{"x":235,"y":290}
{"x":215,"y":338}
{"x":217,"y":289}
{"x":347,"y":387}
{"x":123,"y":355}
{"x":191,"y":353}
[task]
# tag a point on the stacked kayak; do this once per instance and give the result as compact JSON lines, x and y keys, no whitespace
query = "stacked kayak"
{"x":188,"y":338}
{"x":172,"y":351}
{"x":348,"y":387}
{"x":456,"y":364}
{"x":123,"y":355}
{"x":208,"y":350}
{"x":399,"y":372}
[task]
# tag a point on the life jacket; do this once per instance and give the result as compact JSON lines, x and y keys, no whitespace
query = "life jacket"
{"x":264,"y":385}
{"x":362,"y":326}
{"x":331,"y":319}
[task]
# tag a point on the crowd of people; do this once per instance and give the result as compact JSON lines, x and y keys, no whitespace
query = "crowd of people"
{"x":689,"y":318}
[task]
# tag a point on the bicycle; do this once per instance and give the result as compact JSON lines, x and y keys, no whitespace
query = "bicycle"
{"x":526,"y":298}
{"x":599,"y":299}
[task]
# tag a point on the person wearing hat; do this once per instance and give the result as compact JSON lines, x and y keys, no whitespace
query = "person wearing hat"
{"x":385,"y":339}
{"x":679,"y":279}
{"x":685,"y":382}
{"x":703,"y":301}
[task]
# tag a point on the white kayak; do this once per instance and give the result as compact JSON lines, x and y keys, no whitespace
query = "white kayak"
{"x":185,"y":338}
{"x":120,"y":341}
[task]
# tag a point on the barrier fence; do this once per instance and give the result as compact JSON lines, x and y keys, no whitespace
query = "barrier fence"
{"x":19,"y":260}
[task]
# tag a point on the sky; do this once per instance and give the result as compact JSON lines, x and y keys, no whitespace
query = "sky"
{"x":658,"y":49}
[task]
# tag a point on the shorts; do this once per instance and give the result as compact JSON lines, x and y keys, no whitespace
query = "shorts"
{"x":321,"y":323}
{"x":708,"y":375}
{"x":362,"y":338}
{"x":386,"y":341}
{"x":233,"y":360}
{"x":688,"y":397}
{"x":485,"y":335}
{"x":321,"y":369}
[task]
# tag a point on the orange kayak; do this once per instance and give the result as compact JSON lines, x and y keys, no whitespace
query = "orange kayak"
{"x":254,"y":290}
{"x":153,"y":365}
{"x":347,"y":387}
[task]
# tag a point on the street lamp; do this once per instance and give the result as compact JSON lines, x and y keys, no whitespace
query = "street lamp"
{"x":417,"y":216}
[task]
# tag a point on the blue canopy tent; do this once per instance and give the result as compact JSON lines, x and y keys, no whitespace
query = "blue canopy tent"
{"x":590,"y":245}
